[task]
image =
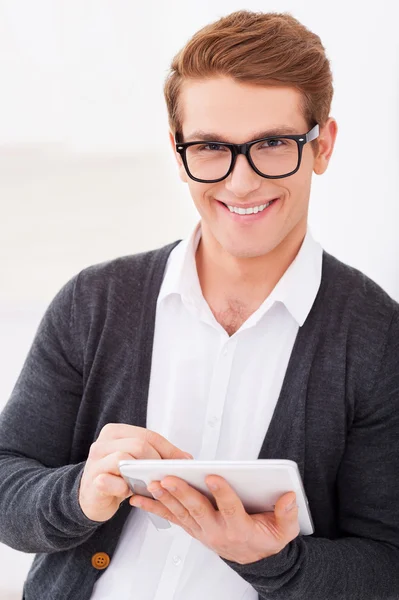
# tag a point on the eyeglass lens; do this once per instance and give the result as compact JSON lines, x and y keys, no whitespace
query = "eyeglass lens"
{"x":275,"y":157}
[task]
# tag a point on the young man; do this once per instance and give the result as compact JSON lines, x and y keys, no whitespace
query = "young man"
{"x":246,"y":340}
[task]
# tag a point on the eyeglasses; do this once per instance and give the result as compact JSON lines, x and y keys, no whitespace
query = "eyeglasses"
{"x":271,"y":157}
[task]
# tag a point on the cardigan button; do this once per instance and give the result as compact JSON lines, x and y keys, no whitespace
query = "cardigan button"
{"x":100,"y":561}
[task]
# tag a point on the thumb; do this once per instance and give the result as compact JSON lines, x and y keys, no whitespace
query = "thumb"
{"x":286,"y":515}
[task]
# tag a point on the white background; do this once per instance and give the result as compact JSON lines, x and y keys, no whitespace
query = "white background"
{"x":83,"y":128}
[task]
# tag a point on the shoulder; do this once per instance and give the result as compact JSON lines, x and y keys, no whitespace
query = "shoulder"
{"x":363,"y":317}
{"x":127,"y":270}
{"x":356,"y":294}
{"x":112,"y":287}
{"x":124,"y":276}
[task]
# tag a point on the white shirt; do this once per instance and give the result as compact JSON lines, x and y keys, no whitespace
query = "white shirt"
{"x":212,"y":396}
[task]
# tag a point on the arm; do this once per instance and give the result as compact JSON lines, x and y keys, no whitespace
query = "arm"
{"x":363,"y":564}
{"x":39,"y":508}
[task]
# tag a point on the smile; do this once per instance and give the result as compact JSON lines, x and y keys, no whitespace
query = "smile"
{"x":250,"y":210}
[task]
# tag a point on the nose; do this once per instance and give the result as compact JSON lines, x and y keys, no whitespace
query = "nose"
{"x":242,"y":180}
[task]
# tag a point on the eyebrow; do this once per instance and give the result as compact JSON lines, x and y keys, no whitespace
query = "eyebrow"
{"x":202,"y":136}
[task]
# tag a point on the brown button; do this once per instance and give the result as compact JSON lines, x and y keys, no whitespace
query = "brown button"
{"x":100,"y":561}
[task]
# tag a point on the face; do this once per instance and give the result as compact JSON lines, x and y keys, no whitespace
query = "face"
{"x":237,"y":112}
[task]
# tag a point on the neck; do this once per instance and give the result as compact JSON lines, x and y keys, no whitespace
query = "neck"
{"x":249,"y":280}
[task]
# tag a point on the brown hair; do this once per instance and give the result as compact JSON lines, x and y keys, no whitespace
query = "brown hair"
{"x":257,"y":48}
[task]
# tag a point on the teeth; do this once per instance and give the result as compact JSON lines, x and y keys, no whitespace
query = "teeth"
{"x":248,"y":211}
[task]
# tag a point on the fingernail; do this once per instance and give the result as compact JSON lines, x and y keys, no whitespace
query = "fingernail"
{"x":187,"y":455}
{"x":170,"y":488}
{"x":290,"y":506}
{"x":157,"y":493}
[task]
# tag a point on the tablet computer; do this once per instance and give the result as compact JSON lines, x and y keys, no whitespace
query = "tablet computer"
{"x":258,"y":483}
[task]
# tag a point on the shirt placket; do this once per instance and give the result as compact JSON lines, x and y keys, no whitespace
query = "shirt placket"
{"x":181,"y":540}
{"x":174,"y":564}
{"x":216,"y":400}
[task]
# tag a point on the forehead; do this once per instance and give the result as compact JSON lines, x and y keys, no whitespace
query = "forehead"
{"x":235,"y":111}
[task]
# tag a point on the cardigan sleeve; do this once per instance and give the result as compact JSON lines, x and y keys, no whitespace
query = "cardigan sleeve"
{"x":39,"y":508}
{"x":363,"y":563}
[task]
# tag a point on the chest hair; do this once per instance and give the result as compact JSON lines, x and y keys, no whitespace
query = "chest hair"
{"x":232,"y":315}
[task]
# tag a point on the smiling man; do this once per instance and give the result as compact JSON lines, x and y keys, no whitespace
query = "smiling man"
{"x":244,"y":341}
{"x":252,"y":226}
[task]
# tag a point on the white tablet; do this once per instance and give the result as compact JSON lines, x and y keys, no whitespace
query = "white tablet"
{"x":259,"y":483}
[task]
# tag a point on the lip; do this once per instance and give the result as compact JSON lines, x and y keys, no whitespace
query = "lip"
{"x":247,"y":219}
{"x":247,"y":205}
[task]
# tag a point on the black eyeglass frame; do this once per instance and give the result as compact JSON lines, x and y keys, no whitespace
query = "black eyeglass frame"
{"x":236,"y":149}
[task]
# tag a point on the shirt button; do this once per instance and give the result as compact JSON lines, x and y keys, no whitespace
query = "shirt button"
{"x":225,"y":351}
{"x":213,"y":421}
{"x":100,"y":561}
{"x":176,"y":560}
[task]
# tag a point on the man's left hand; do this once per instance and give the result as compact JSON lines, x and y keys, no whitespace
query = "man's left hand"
{"x":229,"y":531}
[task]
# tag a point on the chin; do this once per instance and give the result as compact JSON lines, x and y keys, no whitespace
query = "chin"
{"x":247,"y":251}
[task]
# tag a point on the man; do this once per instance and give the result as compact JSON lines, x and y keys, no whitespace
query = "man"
{"x":246,"y":340}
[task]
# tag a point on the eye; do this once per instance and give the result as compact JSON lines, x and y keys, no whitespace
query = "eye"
{"x":211,"y":148}
{"x":274,"y":143}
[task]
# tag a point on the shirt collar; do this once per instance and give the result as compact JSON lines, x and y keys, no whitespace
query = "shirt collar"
{"x":181,"y":270}
{"x":297,"y":288}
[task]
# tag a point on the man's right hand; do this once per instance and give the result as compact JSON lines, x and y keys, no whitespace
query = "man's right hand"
{"x":102,"y":488}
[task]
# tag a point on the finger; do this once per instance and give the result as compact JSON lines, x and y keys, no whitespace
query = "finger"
{"x":135,"y":447}
{"x":286,"y":515}
{"x":175,"y":507}
{"x":110,"y":464}
{"x":154,"y":507}
{"x":111,"y":485}
{"x":164,"y":447}
{"x":229,"y":504}
{"x":195,"y":509}
{"x":112,"y":431}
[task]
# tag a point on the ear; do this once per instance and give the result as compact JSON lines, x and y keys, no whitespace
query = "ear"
{"x":326,"y":141}
{"x":182,"y":171}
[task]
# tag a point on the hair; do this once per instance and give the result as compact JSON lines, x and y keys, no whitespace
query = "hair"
{"x":266,"y":49}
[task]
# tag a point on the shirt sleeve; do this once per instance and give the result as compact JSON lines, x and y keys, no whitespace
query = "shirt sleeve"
{"x":363,"y":563}
{"x":39,"y":508}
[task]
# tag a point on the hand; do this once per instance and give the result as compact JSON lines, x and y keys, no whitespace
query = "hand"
{"x":102,"y":488}
{"x":229,"y":531}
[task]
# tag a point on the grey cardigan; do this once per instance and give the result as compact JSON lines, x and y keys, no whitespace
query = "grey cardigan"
{"x":337,"y":416}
